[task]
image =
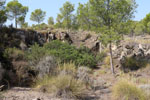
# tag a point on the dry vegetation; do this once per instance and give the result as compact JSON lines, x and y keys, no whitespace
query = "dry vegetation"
{"x":125,"y":90}
{"x":64,"y":84}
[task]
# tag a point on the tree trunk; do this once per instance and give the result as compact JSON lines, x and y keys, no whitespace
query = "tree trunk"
{"x":16,"y":22}
{"x":111,"y":58}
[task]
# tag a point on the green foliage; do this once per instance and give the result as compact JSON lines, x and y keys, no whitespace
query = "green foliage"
{"x":41,"y":26}
{"x":14,"y":53}
{"x":68,"y":53}
{"x":65,"y":16}
{"x":16,"y":10}
{"x":146,"y":20}
{"x":64,"y":52}
{"x":140,"y":28}
{"x":38,"y":16}
{"x":59,"y":21}
{"x":35,"y":54}
{"x":25,"y":25}
{"x":84,"y":16}
{"x":124,"y":90}
{"x":133,"y":64}
{"x":51,"y":21}
{"x":3,"y":17}
{"x":117,"y":12}
{"x":100,"y":56}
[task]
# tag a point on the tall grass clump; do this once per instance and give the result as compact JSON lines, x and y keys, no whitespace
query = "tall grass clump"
{"x":64,"y":86}
{"x":64,"y":83}
{"x":124,"y":90}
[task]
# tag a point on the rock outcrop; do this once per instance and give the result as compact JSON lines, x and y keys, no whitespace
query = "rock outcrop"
{"x":22,"y":39}
{"x":87,"y":39}
{"x":133,"y":55}
{"x":81,"y":38}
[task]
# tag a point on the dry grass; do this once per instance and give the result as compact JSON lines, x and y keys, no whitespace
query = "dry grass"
{"x":125,"y":90}
{"x":64,"y":86}
{"x":67,"y":68}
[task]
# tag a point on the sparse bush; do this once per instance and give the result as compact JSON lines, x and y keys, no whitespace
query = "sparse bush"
{"x":63,"y":86}
{"x":46,"y":66}
{"x":83,"y":75}
{"x":35,"y":54}
{"x":100,"y":57}
{"x":124,"y":90}
{"x":133,"y":64}
{"x":14,"y":53}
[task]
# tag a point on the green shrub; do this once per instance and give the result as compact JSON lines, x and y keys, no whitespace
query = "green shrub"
{"x":14,"y":53}
{"x":69,"y":53}
{"x":124,"y":90}
{"x":64,"y":86}
{"x":41,"y":26}
{"x":63,"y":52}
{"x":133,"y":64}
{"x":100,"y":57}
{"x":35,"y":54}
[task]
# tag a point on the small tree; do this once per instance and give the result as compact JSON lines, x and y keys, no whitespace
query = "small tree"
{"x":146,"y":22}
{"x":84,"y":16}
{"x":59,"y":20}
{"x":66,"y":13}
{"x":38,"y":16}
{"x":3,"y":16}
{"x":51,"y":21}
{"x":21,"y":20}
{"x":140,"y":28}
{"x":111,"y":13}
{"x":16,"y":10}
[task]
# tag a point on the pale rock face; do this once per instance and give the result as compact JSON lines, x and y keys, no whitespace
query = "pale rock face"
{"x":23,"y":46}
{"x":137,"y":51}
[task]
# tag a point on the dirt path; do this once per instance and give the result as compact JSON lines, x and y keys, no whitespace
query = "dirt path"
{"x":18,"y":93}
{"x":101,"y":92}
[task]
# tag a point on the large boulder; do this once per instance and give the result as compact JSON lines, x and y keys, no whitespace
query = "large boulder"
{"x":87,"y":39}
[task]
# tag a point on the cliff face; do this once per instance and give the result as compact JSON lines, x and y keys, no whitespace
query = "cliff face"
{"x":11,"y":37}
{"x":22,"y":39}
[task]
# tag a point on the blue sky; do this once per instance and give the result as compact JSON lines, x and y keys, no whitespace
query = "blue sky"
{"x":52,"y":8}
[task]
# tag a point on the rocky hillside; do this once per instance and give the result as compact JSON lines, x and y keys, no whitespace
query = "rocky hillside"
{"x":60,"y":65}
